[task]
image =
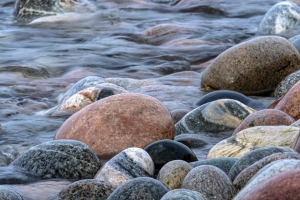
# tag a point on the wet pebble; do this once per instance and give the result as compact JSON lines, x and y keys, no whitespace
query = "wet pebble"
{"x":185,"y":194}
{"x":9,"y":194}
{"x":128,"y":164}
{"x":178,"y":114}
{"x":286,"y":84}
{"x":191,"y":140}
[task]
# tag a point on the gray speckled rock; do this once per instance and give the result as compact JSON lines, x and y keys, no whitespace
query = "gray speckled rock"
{"x":281,"y":17}
{"x":224,"y":164}
{"x":68,"y":159}
{"x":263,"y":62}
{"x":241,"y":180}
{"x":86,"y":189}
{"x":180,"y":194}
{"x":216,"y":116}
{"x":210,"y":181}
{"x":285,"y":85}
{"x":143,"y":188}
{"x":253,"y":156}
{"x":128,"y":164}
{"x":173,"y":173}
{"x":9,"y":194}
{"x":267,"y":172}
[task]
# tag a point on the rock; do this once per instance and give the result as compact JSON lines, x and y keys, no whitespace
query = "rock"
{"x":253,"y":156}
{"x":9,"y":194}
{"x":185,"y":194}
{"x":282,"y":186}
{"x":267,"y":117}
{"x":296,"y":42}
{"x":263,"y":62}
{"x":216,"y":116}
{"x":229,"y":94}
{"x":173,"y":173}
{"x":210,"y":181}
{"x":286,"y":84}
{"x":253,"y":138}
{"x":128,"y":164}
{"x":224,"y":164}
{"x":131,"y":84}
{"x":86,"y":189}
{"x":164,"y":151}
{"x":68,"y":159}
{"x":267,"y":172}
{"x":139,"y":188}
{"x":296,"y":123}
{"x":282,"y":17}
{"x":244,"y":176}
{"x":118,"y":122}
{"x":191,"y":140}
{"x":178,"y":114}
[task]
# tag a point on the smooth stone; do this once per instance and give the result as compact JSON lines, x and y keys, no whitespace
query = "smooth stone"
{"x":164,"y":151}
{"x":139,"y":188}
{"x":191,"y":140}
{"x":266,"y":117}
{"x":173,"y":173}
{"x":267,"y":172}
{"x":282,"y":186}
{"x":252,"y":157}
{"x":252,"y":138}
{"x":286,"y":84}
{"x":263,"y":62}
{"x":244,"y":176}
{"x":281,"y":17}
{"x":178,"y":114}
{"x":229,"y":94}
{"x":68,"y":159}
{"x":86,"y":189}
{"x":126,"y":165}
{"x":224,"y":164}
{"x":210,"y":181}
{"x":118,"y":122}
{"x":217,"y":116}
{"x":8,"y":194}
{"x":180,"y":194}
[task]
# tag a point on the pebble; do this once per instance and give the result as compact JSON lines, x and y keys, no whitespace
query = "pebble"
{"x":210,"y":181}
{"x":216,"y":116}
{"x":295,"y":40}
{"x":252,"y":138}
{"x":280,"y":18}
{"x":286,"y":84}
{"x":173,"y":173}
{"x":142,"y":188}
{"x":9,"y":194}
{"x":263,"y":62}
{"x":253,"y":156}
{"x":68,"y":159}
{"x":109,"y":128}
{"x":191,"y":140}
{"x":126,"y":165}
{"x":266,"y":117}
{"x":178,"y":114}
{"x":178,"y":194}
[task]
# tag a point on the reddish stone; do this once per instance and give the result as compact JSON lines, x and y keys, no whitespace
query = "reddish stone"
{"x":118,"y":122}
{"x":282,"y":186}
{"x":267,"y":117}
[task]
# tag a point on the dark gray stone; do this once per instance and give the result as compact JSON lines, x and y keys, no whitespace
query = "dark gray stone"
{"x":182,"y":194}
{"x":9,"y":194}
{"x":191,"y":140}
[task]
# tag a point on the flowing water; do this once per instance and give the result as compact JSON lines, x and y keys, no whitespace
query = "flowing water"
{"x":41,"y":60}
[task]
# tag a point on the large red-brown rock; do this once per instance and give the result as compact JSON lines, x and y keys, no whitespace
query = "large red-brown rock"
{"x":282,"y":186}
{"x":118,"y":122}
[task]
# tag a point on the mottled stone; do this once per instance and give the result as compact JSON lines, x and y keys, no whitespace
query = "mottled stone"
{"x":210,"y":181}
{"x":286,"y":84}
{"x":191,"y":140}
{"x":164,"y":151}
{"x":252,"y":138}
{"x":244,"y":176}
{"x":128,"y":164}
{"x":86,"y":189}
{"x":263,"y":62}
{"x":229,"y":94}
{"x":253,"y":156}
{"x":139,"y":188}
{"x":282,"y":17}
{"x":178,"y":114}
{"x":216,"y":116}
{"x":267,"y":172}
{"x":9,"y":194}
{"x":179,"y":194}
{"x":282,"y":186}
{"x":173,"y":173}
{"x":68,"y":159}
{"x":224,"y":164}
{"x":266,"y":117}
{"x":118,"y":122}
